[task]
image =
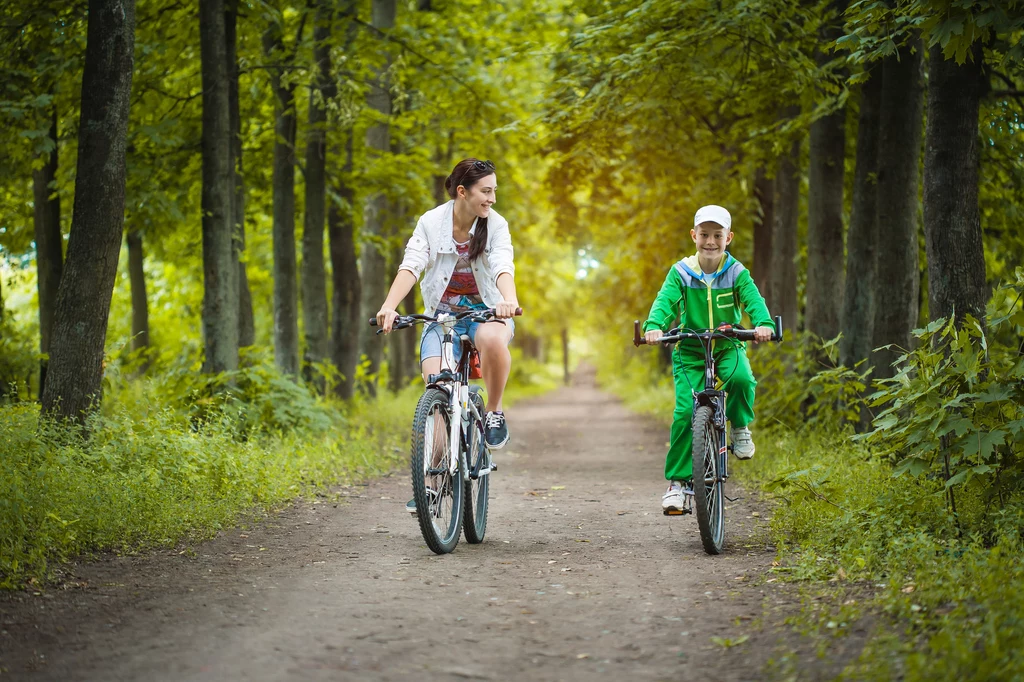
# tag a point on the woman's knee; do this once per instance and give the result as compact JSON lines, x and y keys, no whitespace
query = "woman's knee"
{"x":491,"y":338}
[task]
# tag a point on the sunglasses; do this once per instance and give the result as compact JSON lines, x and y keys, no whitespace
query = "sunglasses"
{"x":480,"y":166}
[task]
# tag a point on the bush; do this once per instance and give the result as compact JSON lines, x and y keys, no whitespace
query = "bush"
{"x":155,"y":468}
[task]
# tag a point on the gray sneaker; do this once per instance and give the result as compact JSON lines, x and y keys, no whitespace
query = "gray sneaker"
{"x":410,"y":506}
{"x":742,"y":443}
{"x":495,"y":430}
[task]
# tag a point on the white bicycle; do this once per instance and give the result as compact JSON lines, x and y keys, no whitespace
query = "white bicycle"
{"x":451,"y":464}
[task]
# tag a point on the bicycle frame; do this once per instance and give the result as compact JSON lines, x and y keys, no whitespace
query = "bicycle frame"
{"x":463,"y":413}
{"x":715,"y":399}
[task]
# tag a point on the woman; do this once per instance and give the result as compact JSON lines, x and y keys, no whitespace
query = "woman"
{"x":464,"y":252}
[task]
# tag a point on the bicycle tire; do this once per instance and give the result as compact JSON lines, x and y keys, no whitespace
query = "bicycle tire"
{"x":441,"y":531}
{"x":708,"y":492}
{"x":477,"y":492}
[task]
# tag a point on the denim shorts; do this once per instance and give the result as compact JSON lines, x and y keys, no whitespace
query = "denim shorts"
{"x":433,"y":335}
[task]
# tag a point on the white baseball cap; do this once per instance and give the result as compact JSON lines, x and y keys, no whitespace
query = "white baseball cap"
{"x":712,"y":214}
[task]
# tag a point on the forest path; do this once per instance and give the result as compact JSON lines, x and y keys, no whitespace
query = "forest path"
{"x":580,"y":578}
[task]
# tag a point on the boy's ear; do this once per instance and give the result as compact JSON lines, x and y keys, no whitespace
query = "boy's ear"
{"x":728,"y":238}
{"x":693,"y":236}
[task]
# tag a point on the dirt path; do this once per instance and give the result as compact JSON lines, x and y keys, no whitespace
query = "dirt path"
{"x":580,"y":578}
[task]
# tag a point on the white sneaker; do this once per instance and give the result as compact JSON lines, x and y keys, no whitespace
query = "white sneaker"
{"x":673,"y":499}
{"x":742,"y":443}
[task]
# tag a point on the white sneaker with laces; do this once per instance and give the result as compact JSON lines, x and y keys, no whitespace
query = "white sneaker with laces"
{"x":672,"y":500}
{"x":742,"y":443}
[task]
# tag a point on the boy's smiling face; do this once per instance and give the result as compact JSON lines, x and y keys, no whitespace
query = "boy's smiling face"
{"x":711,"y":240}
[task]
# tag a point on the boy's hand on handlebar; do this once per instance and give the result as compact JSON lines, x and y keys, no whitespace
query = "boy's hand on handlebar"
{"x":505,"y":309}
{"x":652,"y":337}
{"x":386,"y":319}
{"x":763,"y":334}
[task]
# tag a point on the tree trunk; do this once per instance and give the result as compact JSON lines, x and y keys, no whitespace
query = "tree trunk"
{"x":764,"y":221}
{"x":314,"y":279}
{"x":862,"y":240}
{"x":411,"y":341}
{"x":246,"y":325}
{"x":826,"y":175}
{"x":374,"y":254}
{"x":825,"y":279}
{"x":565,"y":355}
{"x":75,"y":374}
{"x":345,"y":317}
{"x":49,"y":244}
{"x":220,"y":265}
{"x":286,"y":319}
{"x":899,"y":153}
{"x":137,"y":278}
{"x":952,"y":225}
{"x":398,"y":361}
{"x":784,"y":252}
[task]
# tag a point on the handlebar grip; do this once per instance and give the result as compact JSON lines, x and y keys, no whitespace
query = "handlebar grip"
{"x":519,"y":311}
{"x":778,"y":328}
{"x":373,"y":321}
{"x":638,"y":340}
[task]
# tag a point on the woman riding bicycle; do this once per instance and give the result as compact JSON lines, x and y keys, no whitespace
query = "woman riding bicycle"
{"x":463,"y":250}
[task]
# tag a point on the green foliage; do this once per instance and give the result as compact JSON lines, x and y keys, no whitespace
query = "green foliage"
{"x":146,"y":476}
{"x":848,"y":520}
{"x":955,"y":410}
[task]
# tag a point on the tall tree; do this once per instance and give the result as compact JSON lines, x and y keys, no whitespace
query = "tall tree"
{"x":345,"y":311}
{"x":314,"y":280}
{"x":220,"y":263}
{"x":83,"y":298}
{"x":952,"y":225}
{"x":374,"y":252}
{"x":246,"y":325}
{"x":286,"y":304}
{"x":784,"y":238}
{"x":901,"y":113}
{"x":137,"y":277}
{"x":49,"y":242}
{"x":862,"y":239}
{"x":764,"y":222}
{"x":825,"y":170}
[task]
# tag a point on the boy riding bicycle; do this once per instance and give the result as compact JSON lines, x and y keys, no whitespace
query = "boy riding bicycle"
{"x":706,"y":290}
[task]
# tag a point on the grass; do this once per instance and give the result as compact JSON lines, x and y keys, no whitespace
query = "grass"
{"x":167,"y":461}
{"x":945,"y":601}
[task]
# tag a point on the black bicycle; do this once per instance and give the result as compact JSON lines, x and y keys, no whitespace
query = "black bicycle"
{"x":451,"y":464}
{"x":710,"y":444}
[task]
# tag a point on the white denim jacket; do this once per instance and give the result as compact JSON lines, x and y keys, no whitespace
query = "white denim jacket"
{"x":431,"y":252}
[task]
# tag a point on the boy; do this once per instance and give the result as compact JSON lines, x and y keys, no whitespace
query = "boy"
{"x":706,"y":289}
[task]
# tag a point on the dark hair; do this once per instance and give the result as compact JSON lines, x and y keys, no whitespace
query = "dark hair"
{"x":467,"y":173}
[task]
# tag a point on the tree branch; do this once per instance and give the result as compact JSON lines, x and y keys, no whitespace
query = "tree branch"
{"x":406,"y":46}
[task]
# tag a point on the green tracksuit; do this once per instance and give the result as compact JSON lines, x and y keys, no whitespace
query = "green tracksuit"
{"x":706,"y":301}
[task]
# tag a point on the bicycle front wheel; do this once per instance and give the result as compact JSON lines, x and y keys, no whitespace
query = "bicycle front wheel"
{"x":438,"y":493}
{"x":477,"y":492}
{"x":708,"y":493}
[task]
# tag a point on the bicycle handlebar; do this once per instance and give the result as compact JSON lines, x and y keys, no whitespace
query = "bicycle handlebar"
{"x":404,"y":321}
{"x":723,"y":332}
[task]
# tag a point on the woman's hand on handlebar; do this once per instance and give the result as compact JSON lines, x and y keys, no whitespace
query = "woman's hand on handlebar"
{"x":386,"y":319}
{"x":505,"y":309}
{"x":762,"y":334}
{"x":652,"y":337}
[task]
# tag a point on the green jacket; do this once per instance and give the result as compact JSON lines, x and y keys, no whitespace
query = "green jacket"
{"x":707,"y":301}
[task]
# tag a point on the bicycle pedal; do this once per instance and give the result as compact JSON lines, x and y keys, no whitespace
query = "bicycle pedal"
{"x":676,"y":512}
{"x":494,"y":467}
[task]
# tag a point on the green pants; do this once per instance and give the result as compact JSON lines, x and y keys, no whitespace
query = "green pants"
{"x":734,"y":369}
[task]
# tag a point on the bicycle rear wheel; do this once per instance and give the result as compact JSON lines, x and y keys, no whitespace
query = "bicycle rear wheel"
{"x":708,"y":493}
{"x":477,"y":492}
{"x":437,"y":492}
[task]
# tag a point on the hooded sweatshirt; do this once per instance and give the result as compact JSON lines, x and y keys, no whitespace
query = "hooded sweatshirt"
{"x":706,"y":301}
